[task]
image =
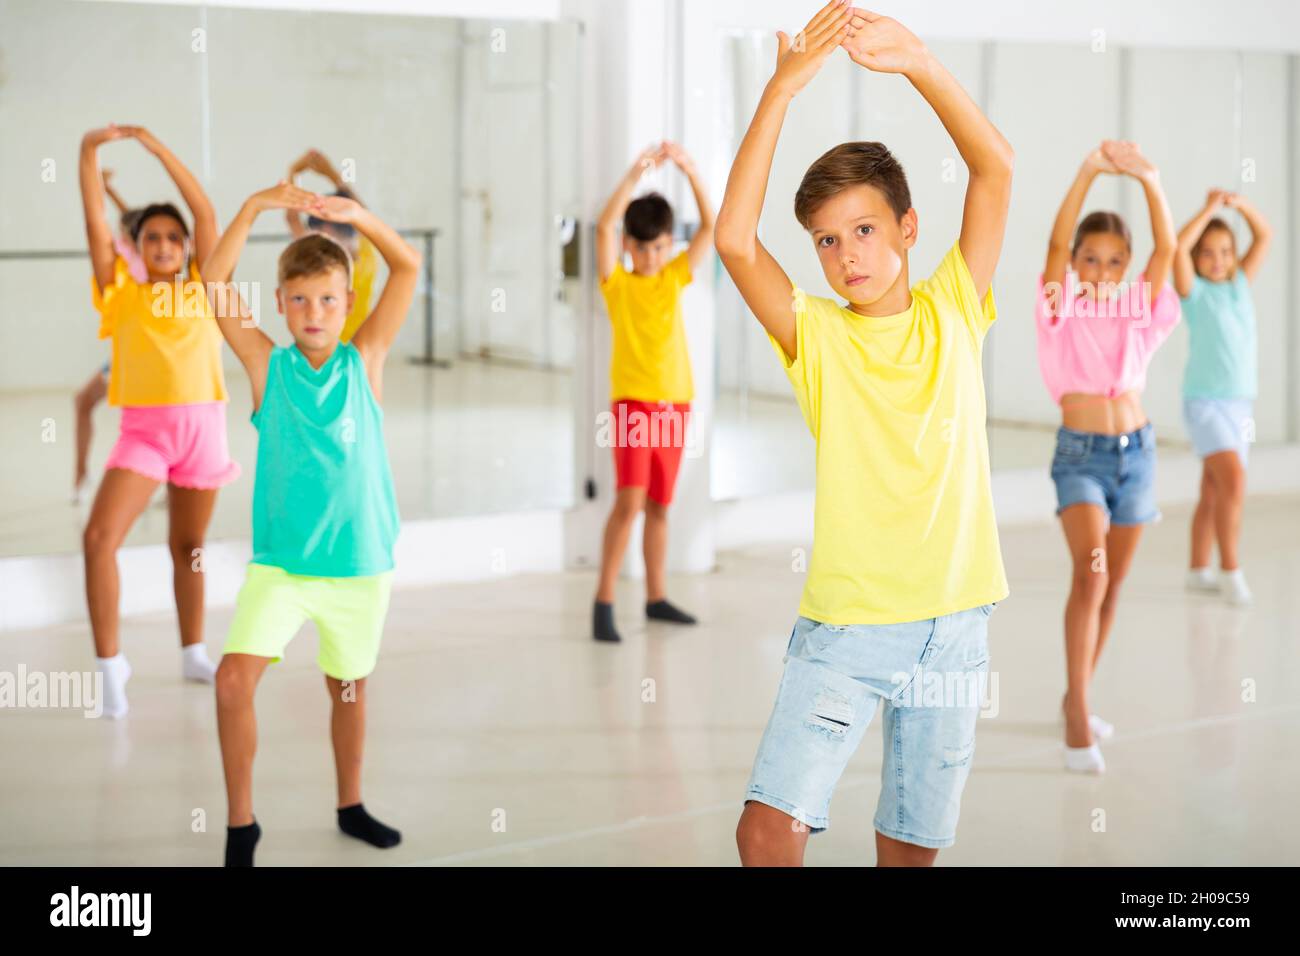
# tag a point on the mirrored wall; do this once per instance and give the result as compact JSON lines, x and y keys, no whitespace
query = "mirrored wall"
{"x":459,"y":132}
{"x":1206,"y":118}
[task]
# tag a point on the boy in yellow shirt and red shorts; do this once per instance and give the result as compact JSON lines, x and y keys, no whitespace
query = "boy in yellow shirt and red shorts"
{"x":650,"y":372}
{"x":906,"y":567}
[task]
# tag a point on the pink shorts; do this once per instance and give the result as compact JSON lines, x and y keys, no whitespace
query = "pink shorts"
{"x":184,"y":445}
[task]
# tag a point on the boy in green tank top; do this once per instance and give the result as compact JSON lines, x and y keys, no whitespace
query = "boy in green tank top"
{"x":324,"y":512}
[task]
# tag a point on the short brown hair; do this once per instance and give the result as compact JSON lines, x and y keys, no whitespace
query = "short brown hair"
{"x":1107,"y":223}
{"x":849,"y":165}
{"x":311,"y":255}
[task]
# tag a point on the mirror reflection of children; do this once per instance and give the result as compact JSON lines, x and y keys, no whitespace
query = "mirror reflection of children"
{"x":364,"y":261}
{"x":325,"y":514}
{"x":166,"y":377}
{"x":1221,"y":380}
{"x":650,"y":372}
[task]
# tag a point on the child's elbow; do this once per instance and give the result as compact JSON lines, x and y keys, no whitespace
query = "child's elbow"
{"x":731,"y":242}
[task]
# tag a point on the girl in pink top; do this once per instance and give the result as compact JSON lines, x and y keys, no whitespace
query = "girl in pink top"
{"x":1096,"y":336}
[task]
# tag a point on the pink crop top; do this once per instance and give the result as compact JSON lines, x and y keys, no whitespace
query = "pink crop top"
{"x":1101,"y":348}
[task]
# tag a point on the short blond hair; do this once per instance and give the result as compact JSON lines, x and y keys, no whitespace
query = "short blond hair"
{"x":312,"y":255}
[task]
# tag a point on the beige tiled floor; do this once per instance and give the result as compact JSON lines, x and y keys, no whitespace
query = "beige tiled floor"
{"x":490,"y":704}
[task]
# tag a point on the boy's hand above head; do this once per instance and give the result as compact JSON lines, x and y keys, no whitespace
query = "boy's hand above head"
{"x":799,"y":60}
{"x":884,"y":45}
{"x":337,"y":209}
{"x":284,"y":195}
{"x":652,"y":157}
{"x":679,"y":157}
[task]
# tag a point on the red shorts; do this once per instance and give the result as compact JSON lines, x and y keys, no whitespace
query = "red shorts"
{"x":648,"y":438}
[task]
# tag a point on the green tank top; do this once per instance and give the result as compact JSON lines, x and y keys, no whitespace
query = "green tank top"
{"x":323,"y":501}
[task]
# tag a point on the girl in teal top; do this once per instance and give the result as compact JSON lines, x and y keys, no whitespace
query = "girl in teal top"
{"x":1221,"y":381}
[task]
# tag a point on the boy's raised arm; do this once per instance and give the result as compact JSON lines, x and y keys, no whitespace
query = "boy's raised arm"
{"x":762,"y":282}
{"x":249,"y":343}
{"x":885,"y":46}
{"x":608,"y":249}
{"x":702,"y":242}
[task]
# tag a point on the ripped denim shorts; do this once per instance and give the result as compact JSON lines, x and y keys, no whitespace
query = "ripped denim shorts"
{"x":928,"y":677}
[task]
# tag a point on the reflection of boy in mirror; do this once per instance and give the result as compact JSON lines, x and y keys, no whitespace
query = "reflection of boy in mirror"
{"x":362,"y":252}
{"x":650,"y":371}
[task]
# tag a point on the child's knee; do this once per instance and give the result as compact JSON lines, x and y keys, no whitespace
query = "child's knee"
{"x":235,"y":684}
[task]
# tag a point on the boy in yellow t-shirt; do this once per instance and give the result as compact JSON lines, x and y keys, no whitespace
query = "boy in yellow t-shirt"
{"x":650,"y":372}
{"x":906,"y":566}
{"x":364,"y":260}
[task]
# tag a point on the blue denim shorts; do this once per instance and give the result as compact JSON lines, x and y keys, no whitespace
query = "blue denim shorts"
{"x":1114,"y":472}
{"x":929,"y":679}
{"x":1220,"y":424}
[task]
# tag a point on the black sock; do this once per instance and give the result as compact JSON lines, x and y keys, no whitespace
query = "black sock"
{"x":240,"y":843}
{"x":663,"y":611}
{"x":602,"y":623}
{"x":355,"y":822}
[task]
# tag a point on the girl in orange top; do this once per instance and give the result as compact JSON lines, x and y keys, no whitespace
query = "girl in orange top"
{"x":166,"y":377}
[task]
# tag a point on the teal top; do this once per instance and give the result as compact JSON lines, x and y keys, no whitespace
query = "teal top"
{"x":323,"y":501}
{"x":1221,"y":358}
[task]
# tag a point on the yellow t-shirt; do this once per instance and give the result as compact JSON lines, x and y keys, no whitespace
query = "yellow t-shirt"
{"x":166,"y":342}
{"x":363,"y":284}
{"x":904,"y":528}
{"x":649,"y":360}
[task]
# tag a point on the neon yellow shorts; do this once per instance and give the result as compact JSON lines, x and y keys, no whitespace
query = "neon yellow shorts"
{"x":349,"y":614}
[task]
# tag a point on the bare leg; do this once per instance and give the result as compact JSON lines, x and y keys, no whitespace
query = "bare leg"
{"x":891,"y":852}
{"x":1203,"y":522}
{"x":767,"y":837}
{"x":1121,"y":545}
{"x":91,"y":394}
{"x":237,"y":679}
{"x":1229,"y":479}
{"x":1085,"y":534}
{"x":618,"y":528}
{"x":190,"y":511}
{"x":655,"y":546}
{"x":121,"y":497}
{"x":348,"y":732}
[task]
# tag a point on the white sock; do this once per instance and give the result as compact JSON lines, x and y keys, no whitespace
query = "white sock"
{"x":1201,"y":579}
{"x":1084,"y":759}
{"x":195,"y":664}
{"x":1101,"y":729}
{"x":116,"y":673}
{"x":1233,"y":585}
